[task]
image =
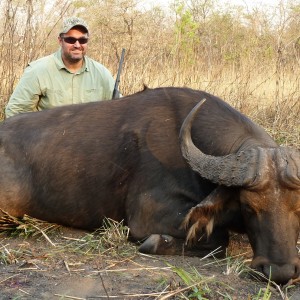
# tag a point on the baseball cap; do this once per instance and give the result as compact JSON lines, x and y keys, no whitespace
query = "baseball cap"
{"x":72,"y":22}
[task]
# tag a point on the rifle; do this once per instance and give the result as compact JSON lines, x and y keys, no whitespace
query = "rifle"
{"x":115,"y":92}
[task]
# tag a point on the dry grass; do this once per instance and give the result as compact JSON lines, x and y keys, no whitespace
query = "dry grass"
{"x":106,"y":252}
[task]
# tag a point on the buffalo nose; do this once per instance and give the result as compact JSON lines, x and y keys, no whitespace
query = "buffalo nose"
{"x":280,"y":273}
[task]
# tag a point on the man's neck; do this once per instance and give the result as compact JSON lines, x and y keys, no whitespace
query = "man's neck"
{"x":73,"y":66}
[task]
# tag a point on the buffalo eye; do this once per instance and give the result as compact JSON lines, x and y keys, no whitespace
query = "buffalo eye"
{"x":297,"y":212}
{"x":247,"y":209}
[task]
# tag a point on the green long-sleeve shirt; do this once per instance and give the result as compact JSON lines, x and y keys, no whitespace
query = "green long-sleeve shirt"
{"x":47,"y":83}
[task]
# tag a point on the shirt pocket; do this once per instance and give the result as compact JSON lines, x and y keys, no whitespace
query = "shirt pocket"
{"x":93,"y":94}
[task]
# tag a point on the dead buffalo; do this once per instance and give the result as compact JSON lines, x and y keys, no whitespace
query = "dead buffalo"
{"x":122,"y":159}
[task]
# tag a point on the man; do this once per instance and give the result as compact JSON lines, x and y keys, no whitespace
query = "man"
{"x":65,"y":77}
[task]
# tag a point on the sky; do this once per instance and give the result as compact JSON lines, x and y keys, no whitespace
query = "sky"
{"x":247,"y":3}
{"x":253,"y":3}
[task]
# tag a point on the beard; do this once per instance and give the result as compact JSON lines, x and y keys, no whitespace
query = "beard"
{"x":74,"y":58}
{"x":73,"y":55}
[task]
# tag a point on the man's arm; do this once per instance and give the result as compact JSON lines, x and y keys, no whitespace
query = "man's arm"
{"x":25,"y":96}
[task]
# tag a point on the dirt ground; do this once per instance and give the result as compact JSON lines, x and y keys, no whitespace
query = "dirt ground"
{"x":66,"y":265}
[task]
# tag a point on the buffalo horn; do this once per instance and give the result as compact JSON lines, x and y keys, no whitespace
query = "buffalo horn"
{"x":245,"y":168}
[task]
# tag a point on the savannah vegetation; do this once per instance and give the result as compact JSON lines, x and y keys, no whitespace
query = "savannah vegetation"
{"x":249,"y":56}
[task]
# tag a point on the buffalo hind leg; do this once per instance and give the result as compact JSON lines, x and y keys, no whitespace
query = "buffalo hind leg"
{"x":163,"y":244}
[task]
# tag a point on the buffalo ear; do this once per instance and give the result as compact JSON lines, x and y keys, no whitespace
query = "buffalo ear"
{"x":202,"y":216}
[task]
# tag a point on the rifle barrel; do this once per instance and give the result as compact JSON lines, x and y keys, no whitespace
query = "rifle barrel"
{"x":118,"y":74}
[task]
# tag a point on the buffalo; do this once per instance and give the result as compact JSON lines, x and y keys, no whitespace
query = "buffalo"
{"x":180,"y":172}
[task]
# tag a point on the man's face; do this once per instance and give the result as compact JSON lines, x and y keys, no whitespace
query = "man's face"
{"x":73,"y":51}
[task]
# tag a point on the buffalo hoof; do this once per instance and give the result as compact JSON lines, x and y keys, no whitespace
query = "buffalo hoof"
{"x":162,"y":244}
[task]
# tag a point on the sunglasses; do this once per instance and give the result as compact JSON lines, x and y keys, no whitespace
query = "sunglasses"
{"x":72,"y":40}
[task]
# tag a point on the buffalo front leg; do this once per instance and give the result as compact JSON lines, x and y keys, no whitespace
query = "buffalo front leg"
{"x":155,"y":217}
